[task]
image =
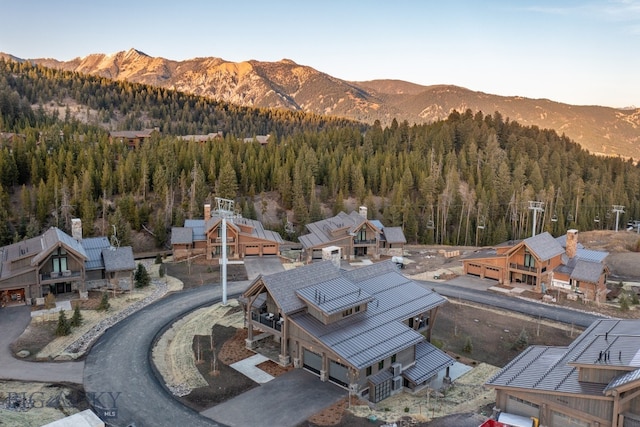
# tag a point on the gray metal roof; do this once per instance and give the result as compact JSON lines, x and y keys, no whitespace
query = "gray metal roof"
{"x":623,"y":379}
{"x":544,"y":368}
{"x":482,"y":253}
{"x":282,"y":285}
{"x":93,"y":246}
{"x":587,"y":271}
{"x":429,"y":361}
{"x":181,"y":235}
{"x":334,"y":295}
{"x":591,"y":255}
{"x":320,"y":232}
{"x":118,"y":259}
{"x":544,"y":246}
{"x":197,"y":227}
{"x":380,"y":377}
{"x":394,"y":235}
{"x":378,"y":332}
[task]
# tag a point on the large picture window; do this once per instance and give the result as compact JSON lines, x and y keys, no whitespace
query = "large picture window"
{"x":59,"y":260}
{"x":529,"y":260}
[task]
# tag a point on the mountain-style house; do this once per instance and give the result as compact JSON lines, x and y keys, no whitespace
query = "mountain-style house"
{"x":356,"y":235}
{"x":367,"y":329}
{"x":545,"y":264}
{"x":595,"y":381}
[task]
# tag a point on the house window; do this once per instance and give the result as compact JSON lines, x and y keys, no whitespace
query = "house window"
{"x":369,"y":369}
{"x":381,"y":365}
{"x":362,"y":234}
{"x":59,"y":260}
{"x":529,"y":260}
{"x":347,"y":312}
{"x":393,"y":358}
{"x":357,"y":308}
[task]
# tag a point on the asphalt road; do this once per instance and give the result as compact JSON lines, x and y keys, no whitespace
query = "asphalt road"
{"x":13,"y":321}
{"x":531,"y":308}
{"x":118,"y":378}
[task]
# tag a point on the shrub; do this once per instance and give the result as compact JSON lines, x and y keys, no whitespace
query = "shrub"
{"x":634,"y":299}
{"x":406,"y":409}
{"x":522,"y":342}
{"x":468,"y":345}
{"x":63,"y":328}
{"x":104,"y":303}
{"x":50,"y":301}
{"x":158,"y":259}
{"x":141,"y":277}
{"x":161,"y":270}
{"x":76,"y":319}
{"x":624,"y":303}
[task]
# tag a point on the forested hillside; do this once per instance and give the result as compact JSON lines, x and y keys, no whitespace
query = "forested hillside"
{"x":464,"y":180}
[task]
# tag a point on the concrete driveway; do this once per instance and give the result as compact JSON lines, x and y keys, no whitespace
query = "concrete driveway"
{"x":13,"y":321}
{"x":286,"y":401}
{"x":264,"y":265}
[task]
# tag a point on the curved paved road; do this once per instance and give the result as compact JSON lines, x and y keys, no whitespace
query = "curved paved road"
{"x":13,"y":321}
{"x":118,"y":368}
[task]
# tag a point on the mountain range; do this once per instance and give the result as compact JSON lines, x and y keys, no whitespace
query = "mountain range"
{"x":286,"y":84}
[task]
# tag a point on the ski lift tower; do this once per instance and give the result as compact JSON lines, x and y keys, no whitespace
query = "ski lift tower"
{"x":618,"y":209}
{"x":535,"y":207}
{"x":224,"y":209}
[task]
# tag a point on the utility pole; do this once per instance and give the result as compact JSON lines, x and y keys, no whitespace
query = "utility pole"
{"x":618,"y":209}
{"x":535,"y":207}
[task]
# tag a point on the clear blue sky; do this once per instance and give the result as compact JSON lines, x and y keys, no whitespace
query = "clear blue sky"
{"x":577,"y":52}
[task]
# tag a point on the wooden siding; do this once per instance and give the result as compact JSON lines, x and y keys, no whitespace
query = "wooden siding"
{"x":599,"y":375}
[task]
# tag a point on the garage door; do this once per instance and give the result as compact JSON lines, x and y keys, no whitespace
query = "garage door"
{"x":338,"y":373}
{"x":252,"y":250}
{"x":474,"y":269}
{"x":522,"y":407}
{"x":269,"y":250}
{"x":312,"y":361}
{"x":492,"y":273}
{"x":558,"y":419}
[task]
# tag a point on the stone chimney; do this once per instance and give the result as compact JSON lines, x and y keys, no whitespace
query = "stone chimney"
{"x":207,"y":211}
{"x":76,"y":229}
{"x":572,"y":243}
{"x":363,"y":212}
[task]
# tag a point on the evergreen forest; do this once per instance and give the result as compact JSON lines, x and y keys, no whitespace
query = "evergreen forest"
{"x":466,"y":180}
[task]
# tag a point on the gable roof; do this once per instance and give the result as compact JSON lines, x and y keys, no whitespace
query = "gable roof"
{"x":197,"y":227}
{"x":393,"y":235}
{"x":181,"y":235}
{"x":545,"y":368}
{"x":93,"y":246}
{"x":320,"y":232}
{"x":377,"y":332}
{"x":429,"y":361}
{"x":544,"y":246}
{"x":55,"y":237}
{"x":118,"y":259}
{"x":587,"y":271}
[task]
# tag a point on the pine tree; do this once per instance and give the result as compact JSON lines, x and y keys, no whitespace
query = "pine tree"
{"x":141,"y":277}
{"x":104,"y":303}
{"x":63,"y":328}
{"x":76,"y":319}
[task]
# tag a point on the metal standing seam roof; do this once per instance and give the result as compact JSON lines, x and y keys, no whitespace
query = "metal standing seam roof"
{"x":51,"y":238}
{"x":544,"y":246}
{"x":282,"y":285}
{"x":197,"y":227}
{"x":320,"y":231}
{"x":591,"y":255}
{"x":555,"y":369}
{"x":118,"y":259}
{"x":623,"y":379}
{"x":334,"y":295}
{"x":429,"y":361}
{"x":378,"y":332}
{"x":93,"y":246}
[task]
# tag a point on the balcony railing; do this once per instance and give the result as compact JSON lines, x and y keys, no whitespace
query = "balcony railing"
{"x":268,"y":319}
{"x":59,"y":275}
{"x":364,"y":242}
{"x":521,"y":267}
